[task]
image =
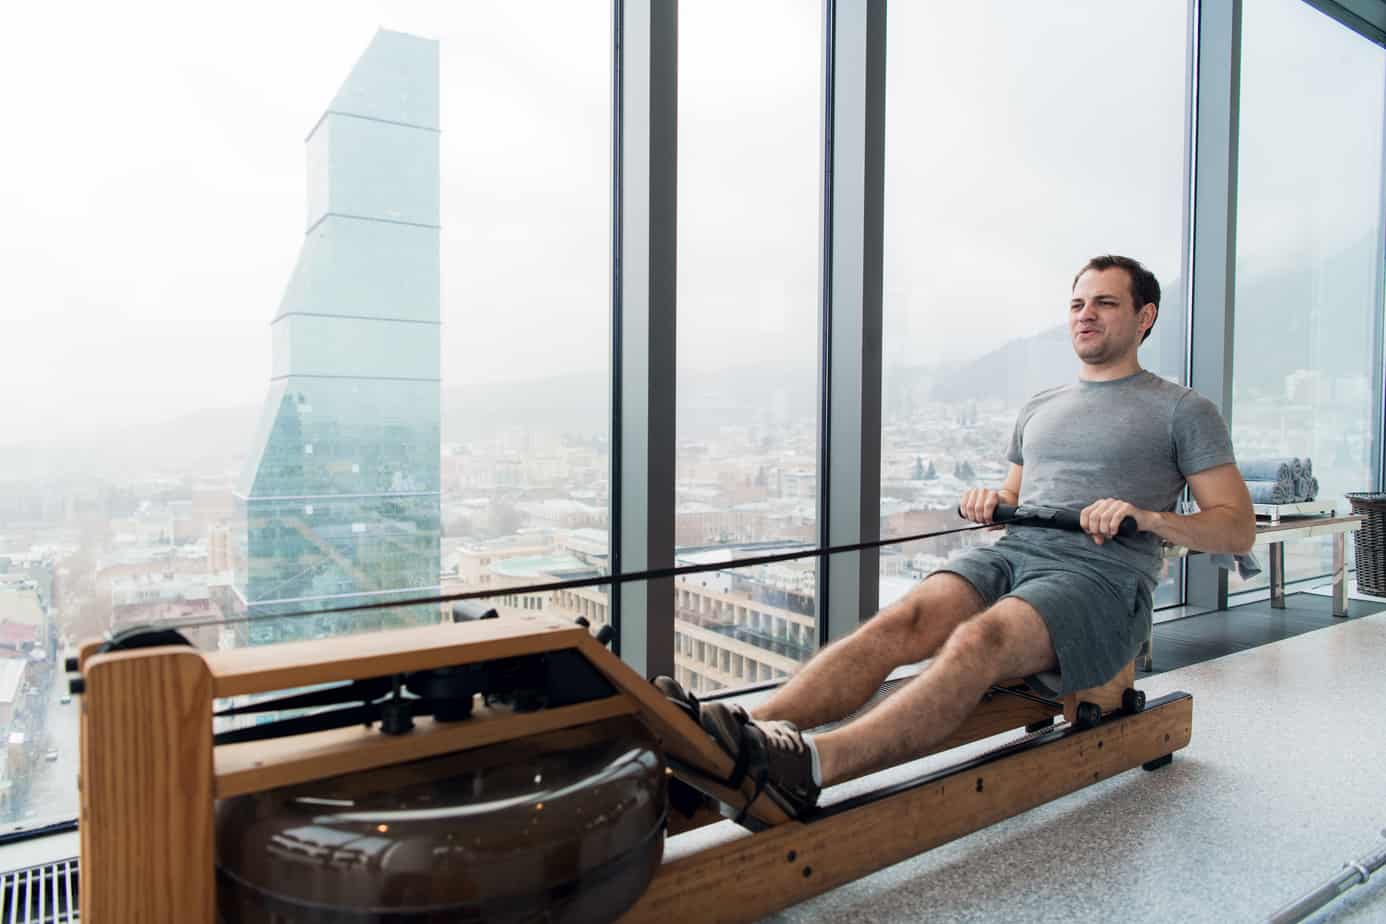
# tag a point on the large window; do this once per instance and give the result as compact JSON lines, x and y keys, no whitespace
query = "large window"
{"x":1015,"y":151}
{"x":748,"y":227}
{"x":1309,"y":198}
{"x":303,"y":313}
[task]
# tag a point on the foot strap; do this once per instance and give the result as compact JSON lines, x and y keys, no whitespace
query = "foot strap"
{"x":742,"y":762}
{"x":692,"y":708}
{"x":750,"y":758}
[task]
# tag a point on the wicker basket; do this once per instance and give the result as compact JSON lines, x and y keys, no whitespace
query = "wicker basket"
{"x":1370,"y":543}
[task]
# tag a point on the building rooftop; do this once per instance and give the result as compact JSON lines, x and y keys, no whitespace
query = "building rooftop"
{"x":11,"y":678}
{"x":19,"y":602}
{"x":539,"y":566}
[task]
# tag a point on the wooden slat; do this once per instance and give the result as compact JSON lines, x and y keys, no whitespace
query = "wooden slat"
{"x":260,"y":669}
{"x":751,"y":877}
{"x":253,"y":766}
{"x":85,"y":762}
{"x":681,"y":737}
{"x":86,"y":650}
{"x":146,"y":788}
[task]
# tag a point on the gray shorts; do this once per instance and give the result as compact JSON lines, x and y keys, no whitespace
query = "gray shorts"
{"x":1097,"y":612}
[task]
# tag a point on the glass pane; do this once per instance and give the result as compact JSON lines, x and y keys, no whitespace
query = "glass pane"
{"x":749,"y":169}
{"x":1007,"y":167}
{"x":742,"y":626}
{"x":1308,"y":249}
{"x":326,"y":330}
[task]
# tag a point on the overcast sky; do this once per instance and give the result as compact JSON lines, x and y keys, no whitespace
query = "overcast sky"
{"x":153,"y":179}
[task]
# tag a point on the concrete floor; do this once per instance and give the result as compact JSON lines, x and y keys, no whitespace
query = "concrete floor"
{"x":1284,"y":781}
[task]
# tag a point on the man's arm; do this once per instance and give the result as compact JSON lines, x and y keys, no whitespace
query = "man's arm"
{"x":1225,"y":521}
{"x":978,"y":504}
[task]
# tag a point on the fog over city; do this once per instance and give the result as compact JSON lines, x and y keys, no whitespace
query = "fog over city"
{"x":166,"y":157}
{"x":154,"y":214}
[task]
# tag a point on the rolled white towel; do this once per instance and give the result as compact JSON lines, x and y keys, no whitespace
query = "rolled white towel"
{"x":1271,"y":492}
{"x":1267,"y":469}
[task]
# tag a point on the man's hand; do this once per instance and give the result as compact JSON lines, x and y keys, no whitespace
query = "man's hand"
{"x":1102,"y":519}
{"x":979,"y":504}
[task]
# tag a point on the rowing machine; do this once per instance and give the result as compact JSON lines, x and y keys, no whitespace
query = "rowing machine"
{"x":154,"y":780}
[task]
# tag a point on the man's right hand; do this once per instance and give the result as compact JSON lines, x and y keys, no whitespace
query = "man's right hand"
{"x":979,"y":504}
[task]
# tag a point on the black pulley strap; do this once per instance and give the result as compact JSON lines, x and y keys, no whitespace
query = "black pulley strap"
{"x":301,"y":725}
{"x":358,"y":691}
{"x":1050,"y":518}
{"x":604,"y":580}
{"x":1021,"y":693}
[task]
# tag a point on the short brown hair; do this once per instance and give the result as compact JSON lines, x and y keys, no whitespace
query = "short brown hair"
{"x":1145,"y":288}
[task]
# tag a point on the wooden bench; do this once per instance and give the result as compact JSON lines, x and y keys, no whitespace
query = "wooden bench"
{"x":1274,"y":535}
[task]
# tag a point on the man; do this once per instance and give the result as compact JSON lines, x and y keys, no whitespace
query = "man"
{"x":1067,"y":610}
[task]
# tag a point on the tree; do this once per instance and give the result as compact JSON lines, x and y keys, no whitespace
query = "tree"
{"x":932,"y":473}
{"x":918,"y":468}
{"x":963,"y":471}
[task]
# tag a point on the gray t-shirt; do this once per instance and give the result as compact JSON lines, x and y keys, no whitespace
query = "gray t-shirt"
{"x":1135,"y":439}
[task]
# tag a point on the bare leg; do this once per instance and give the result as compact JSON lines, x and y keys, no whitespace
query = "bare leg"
{"x":1008,"y":640}
{"x":845,"y":675}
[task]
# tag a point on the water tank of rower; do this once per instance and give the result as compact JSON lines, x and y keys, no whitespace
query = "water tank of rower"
{"x":563,"y":826}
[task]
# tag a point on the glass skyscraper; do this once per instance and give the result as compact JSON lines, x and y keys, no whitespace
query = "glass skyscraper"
{"x":339,"y":502}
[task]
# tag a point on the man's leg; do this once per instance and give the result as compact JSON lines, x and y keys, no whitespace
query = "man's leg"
{"x":845,"y":675}
{"x":1008,"y":640}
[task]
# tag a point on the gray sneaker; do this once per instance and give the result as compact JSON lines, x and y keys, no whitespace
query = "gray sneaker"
{"x":676,"y":694}
{"x":772,"y":753}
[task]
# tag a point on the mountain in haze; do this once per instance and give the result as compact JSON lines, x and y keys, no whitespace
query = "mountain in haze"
{"x":579,"y":403}
{"x":1291,"y":317}
{"x":208,"y":442}
{"x":216,"y":440}
{"x":1317,"y":317}
{"x":1018,"y":368}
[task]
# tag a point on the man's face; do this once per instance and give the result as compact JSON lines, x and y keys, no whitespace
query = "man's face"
{"x":1102,"y":319}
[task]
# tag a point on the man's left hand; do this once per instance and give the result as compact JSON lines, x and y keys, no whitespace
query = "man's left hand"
{"x":1102,"y":519}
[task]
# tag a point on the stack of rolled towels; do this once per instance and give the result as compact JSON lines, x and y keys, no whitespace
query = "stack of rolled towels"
{"x":1280,"y":481}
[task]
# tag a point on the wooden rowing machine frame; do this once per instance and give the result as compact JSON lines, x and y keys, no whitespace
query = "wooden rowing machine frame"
{"x":150,"y":773}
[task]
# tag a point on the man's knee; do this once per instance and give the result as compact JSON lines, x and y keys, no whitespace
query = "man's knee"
{"x":916,"y":624}
{"x":1008,"y":639}
{"x":982,"y":639}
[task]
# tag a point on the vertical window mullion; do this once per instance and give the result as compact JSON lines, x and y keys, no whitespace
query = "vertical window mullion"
{"x":1210,"y":260}
{"x":850,"y":330}
{"x":644,"y":213}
